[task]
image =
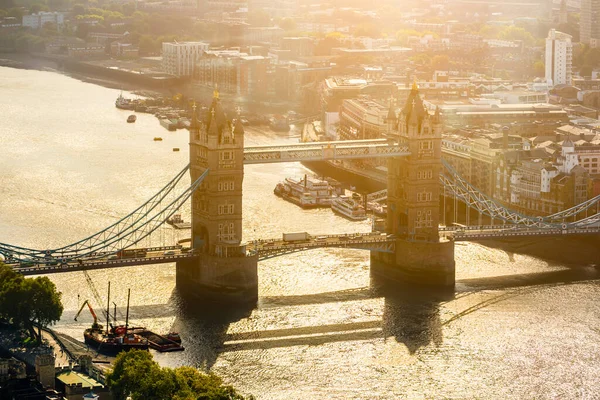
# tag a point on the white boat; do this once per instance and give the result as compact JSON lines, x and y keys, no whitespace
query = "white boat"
{"x":123,"y":103}
{"x":349,"y":208}
{"x":307,"y":192}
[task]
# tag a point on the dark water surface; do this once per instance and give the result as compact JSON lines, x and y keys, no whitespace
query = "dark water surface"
{"x":517,"y":326}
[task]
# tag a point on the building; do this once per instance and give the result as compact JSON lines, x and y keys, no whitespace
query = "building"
{"x":336,"y":89}
{"x":180,"y":59}
{"x":589,"y":24}
{"x":233,"y":72}
{"x":124,"y":50}
{"x":275,"y":8}
{"x":86,"y":51}
{"x":559,"y":57}
{"x":298,"y":46}
{"x":76,"y":385}
{"x":485,"y":115}
{"x":362,"y":118}
{"x":298,"y":82}
{"x":38,"y":20}
{"x":44,"y":369}
{"x":264,"y":34}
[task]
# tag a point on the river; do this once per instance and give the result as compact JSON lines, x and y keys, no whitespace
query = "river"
{"x":517,"y":326}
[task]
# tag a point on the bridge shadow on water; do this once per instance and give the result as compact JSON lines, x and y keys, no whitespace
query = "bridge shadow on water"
{"x":410,"y":317}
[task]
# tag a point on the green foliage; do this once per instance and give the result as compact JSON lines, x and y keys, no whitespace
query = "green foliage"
{"x":516,"y":33}
{"x":136,"y":374}
{"x":16,"y":12}
{"x":369,"y":29}
{"x":287,"y":24}
{"x":78,"y":9}
{"x":37,"y":7}
{"x":28,"y":301}
{"x":586,"y":56}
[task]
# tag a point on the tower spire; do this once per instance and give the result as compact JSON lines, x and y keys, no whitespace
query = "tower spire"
{"x":415,"y":87}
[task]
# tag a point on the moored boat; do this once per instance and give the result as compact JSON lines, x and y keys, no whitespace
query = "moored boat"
{"x":111,"y":341}
{"x":131,"y":118}
{"x":279,"y":124}
{"x":349,"y":208}
{"x":307,"y":192}
{"x":123,"y":103}
{"x":167,"y":123}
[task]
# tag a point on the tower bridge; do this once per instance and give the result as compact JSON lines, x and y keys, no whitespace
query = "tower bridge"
{"x":217,"y":263}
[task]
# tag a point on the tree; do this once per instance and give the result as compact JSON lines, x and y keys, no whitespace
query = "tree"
{"x":514,"y":33}
{"x":78,"y":9}
{"x":287,"y":24}
{"x":46,"y":307}
{"x":16,"y":12}
{"x":37,"y":7}
{"x":28,"y":302}
{"x":136,"y":374}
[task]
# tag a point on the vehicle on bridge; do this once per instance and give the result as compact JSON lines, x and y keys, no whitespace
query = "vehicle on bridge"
{"x":132,"y":253}
{"x":296,"y":237}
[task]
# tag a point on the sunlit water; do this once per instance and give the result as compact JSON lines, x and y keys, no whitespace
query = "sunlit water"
{"x":517,"y":327}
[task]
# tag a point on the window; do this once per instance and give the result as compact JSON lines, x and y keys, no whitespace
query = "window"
{"x":425,"y":174}
{"x":424,"y":196}
{"x":225,"y":186}
{"x":226,"y":231}
{"x":424,"y":219}
{"x":425,"y":145}
{"x":225,"y":209}
{"x":226,"y":155}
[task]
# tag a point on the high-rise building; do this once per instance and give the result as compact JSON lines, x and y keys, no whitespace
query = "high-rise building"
{"x":559,"y":54}
{"x":37,"y":21}
{"x":589,"y":24}
{"x":180,"y":58}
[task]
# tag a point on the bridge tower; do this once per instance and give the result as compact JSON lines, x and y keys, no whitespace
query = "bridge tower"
{"x":223,"y":270}
{"x":413,"y":201}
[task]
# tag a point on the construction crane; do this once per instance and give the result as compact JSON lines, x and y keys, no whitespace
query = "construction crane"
{"x":95,"y":324}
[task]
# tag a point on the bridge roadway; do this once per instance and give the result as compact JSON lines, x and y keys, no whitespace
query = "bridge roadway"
{"x":270,"y":248}
{"x":467,"y":233}
{"x":317,"y":151}
{"x":159,"y":255}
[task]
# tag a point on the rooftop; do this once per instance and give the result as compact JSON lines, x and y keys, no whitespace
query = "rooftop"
{"x":74,"y":378}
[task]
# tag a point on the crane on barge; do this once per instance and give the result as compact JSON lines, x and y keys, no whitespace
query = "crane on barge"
{"x":95,"y":325}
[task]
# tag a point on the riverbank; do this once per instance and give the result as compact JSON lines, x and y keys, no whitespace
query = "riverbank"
{"x":65,"y":349}
{"x":124,"y":75}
